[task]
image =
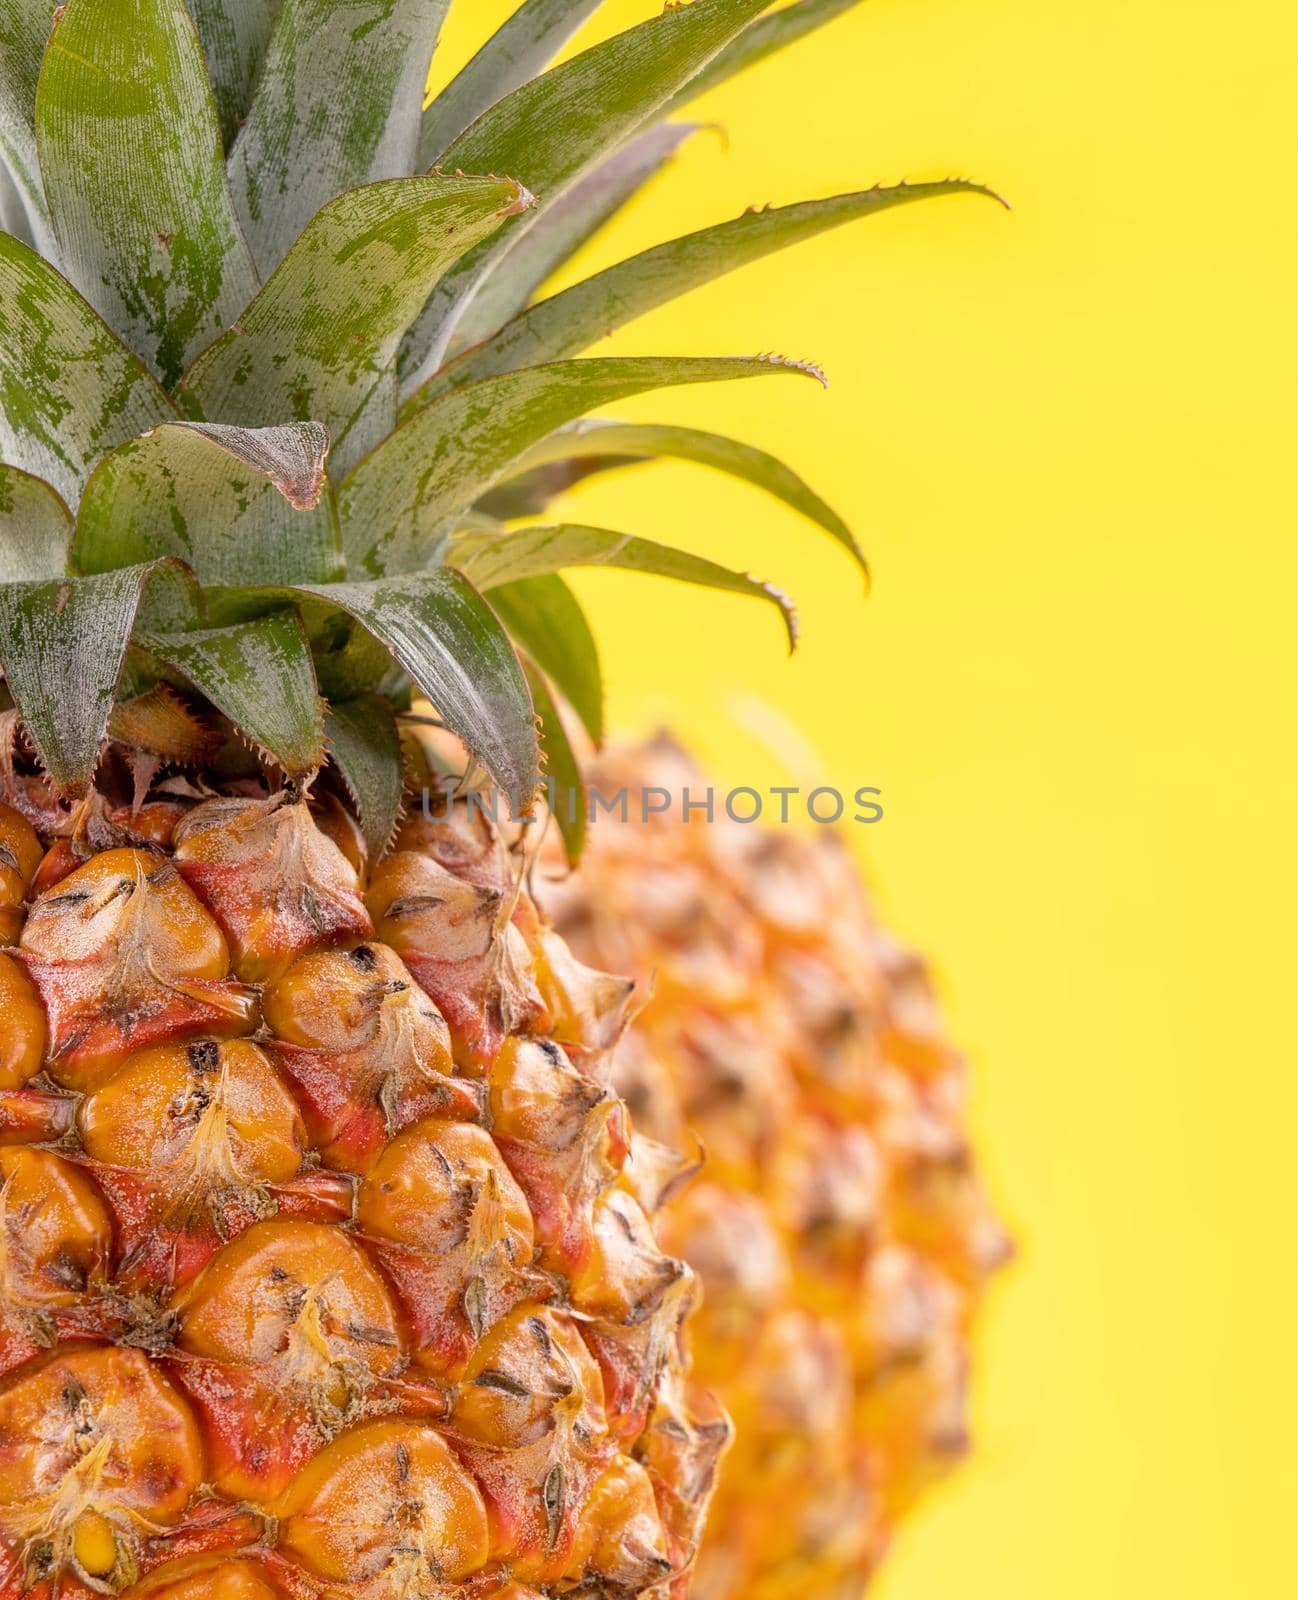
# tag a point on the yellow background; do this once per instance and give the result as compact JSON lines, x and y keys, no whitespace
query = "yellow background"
{"x":1066,"y":438}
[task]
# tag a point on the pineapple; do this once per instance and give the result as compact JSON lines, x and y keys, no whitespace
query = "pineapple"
{"x":838,"y":1227}
{"x":328,"y":1264}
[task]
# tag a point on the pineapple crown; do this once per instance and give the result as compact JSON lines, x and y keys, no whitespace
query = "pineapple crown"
{"x":279,"y":403}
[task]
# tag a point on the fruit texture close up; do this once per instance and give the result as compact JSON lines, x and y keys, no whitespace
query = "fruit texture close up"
{"x":326,"y":1260}
{"x":309,"y":1283}
{"x":838,"y":1225}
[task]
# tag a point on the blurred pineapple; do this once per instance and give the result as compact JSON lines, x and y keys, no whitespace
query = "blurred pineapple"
{"x":838,"y":1224}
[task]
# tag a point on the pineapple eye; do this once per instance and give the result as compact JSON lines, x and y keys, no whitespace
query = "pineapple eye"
{"x":386,"y":1497}
{"x":55,"y":1234}
{"x":205,"y":1056}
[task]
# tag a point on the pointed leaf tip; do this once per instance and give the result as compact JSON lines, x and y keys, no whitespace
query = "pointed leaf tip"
{"x":396,"y":508}
{"x":809,"y":368}
{"x":524,"y":200}
{"x":949,"y":185}
{"x":788,"y":610}
{"x":241,"y":505}
{"x":292,"y":456}
{"x":570,"y":321}
{"x":493,"y":559}
{"x":573,"y":454}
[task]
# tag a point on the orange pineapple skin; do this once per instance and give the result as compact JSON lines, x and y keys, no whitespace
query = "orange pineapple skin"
{"x":320,"y":1280}
{"x":839,"y":1228}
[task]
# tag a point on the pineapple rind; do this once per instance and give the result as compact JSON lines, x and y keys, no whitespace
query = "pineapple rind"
{"x":322,"y":1271}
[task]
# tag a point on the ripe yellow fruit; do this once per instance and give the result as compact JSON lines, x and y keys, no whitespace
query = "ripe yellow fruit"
{"x":311,"y":1283}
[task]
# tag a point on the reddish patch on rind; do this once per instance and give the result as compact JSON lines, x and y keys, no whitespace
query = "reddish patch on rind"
{"x":340,"y":1099}
{"x":82,"y":1035}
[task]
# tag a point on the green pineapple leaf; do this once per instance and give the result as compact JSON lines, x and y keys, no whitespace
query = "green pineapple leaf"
{"x":566,"y":794}
{"x":519,"y":49}
{"x":593,"y":446}
{"x":259,"y":674}
{"x":69,"y":388}
{"x":24,"y":28}
{"x":761,"y":39}
{"x":337,"y":103}
{"x":491,"y":559}
{"x":320,"y":338}
{"x":350,"y":661}
{"x":459,"y":657}
{"x":546,"y":619}
{"x":130,"y":153}
{"x":35,"y":528}
{"x":240,"y":505}
{"x":117,"y":500}
{"x":553,"y":129}
{"x":564,"y":227}
{"x":14,"y":219}
{"x":62,"y":642}
{"x":234,"y":35}
{"x":366,"y":749}
{"x":397,"y":505}
{"x":576,"y":318}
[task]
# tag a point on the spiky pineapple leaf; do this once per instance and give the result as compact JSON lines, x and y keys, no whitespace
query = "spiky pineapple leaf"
{"x":492,"y":559}
{"x":546,"y":619}
{"x":565,"y":793}
{"x":365,"y":747}
{"x":319,"y":339}
{"x":69,"y":388}
{"x":551,"y":130}
{"x":337,"y":103}
{"x":240,"y":505}
{"x":590,"y":446}
{"x":234,"y":35}
{"x":259,"y":674}
{"x":459,"y":657}
{"x":350,"y":661}
{"x":429,"y":629}
{"x":159,"y":721}
{"x":576,"y":318}
{"x":395,"y":507}
{"x":131,"y":158}
{"x":62,"y":642}
{"x":24,"y":28}
{"x":760,"y":39}
{"x":564,"y":227}
{"x":518,"y":50}
{"x":35,"y":527}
